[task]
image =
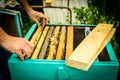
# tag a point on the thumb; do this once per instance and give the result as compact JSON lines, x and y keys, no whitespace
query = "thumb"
{"x":37,"y":22}
{"x":20,"y":55}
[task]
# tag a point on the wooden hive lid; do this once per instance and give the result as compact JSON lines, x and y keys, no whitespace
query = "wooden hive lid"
{"x":89,"y":49}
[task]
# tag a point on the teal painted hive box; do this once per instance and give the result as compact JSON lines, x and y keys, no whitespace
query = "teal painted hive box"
{"x":12,"y":22}
{"x":42,"y":69}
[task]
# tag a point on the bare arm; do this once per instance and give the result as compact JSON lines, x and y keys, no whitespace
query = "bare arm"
{"x":25,"y":5}
{"x":20,"y":45}
{"x":16,"y":45}
{"x":34,"y":15}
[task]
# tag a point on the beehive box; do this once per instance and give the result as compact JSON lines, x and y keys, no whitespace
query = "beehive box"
{"x":11,"y":21}
{"x":47,"y":69}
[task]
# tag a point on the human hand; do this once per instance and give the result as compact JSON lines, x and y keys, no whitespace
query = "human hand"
{"x":35,"y":15}
{"x":18,"y":46}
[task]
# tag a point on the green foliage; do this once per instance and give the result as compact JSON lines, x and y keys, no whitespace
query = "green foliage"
{"x":90,"y":15}
{"x":27,"y":23}
{"x":68,"y":18}
{"x":111,"y":10}
{"x":107,"y":8}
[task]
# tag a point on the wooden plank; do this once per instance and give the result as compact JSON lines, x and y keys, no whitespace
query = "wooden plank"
{"x":61,"y":47}
{"x":40,"y":43}
{"x":69,"y":44}
{"x":88,"y":50}
{"x":49,"y":2}
{"x":36,"y":35}
{"x":53,"y":44}
{"x":111,"y":33}
{"x":46,"y":43}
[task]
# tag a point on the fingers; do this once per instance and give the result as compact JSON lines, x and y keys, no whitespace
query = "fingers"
{"x":38,"y":15}
{"x":30,"y":44}
{"x":28,"y":49}
{"x":36,"y":21}
{"x":25,"y":51}
{"x":20,"y":55}
{"x":44,"y":20}
{"x":35,"y":15}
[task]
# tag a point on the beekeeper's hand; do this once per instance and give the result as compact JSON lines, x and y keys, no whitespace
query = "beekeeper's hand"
{"x":16,"y":45}
{"x":35,"y":16}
